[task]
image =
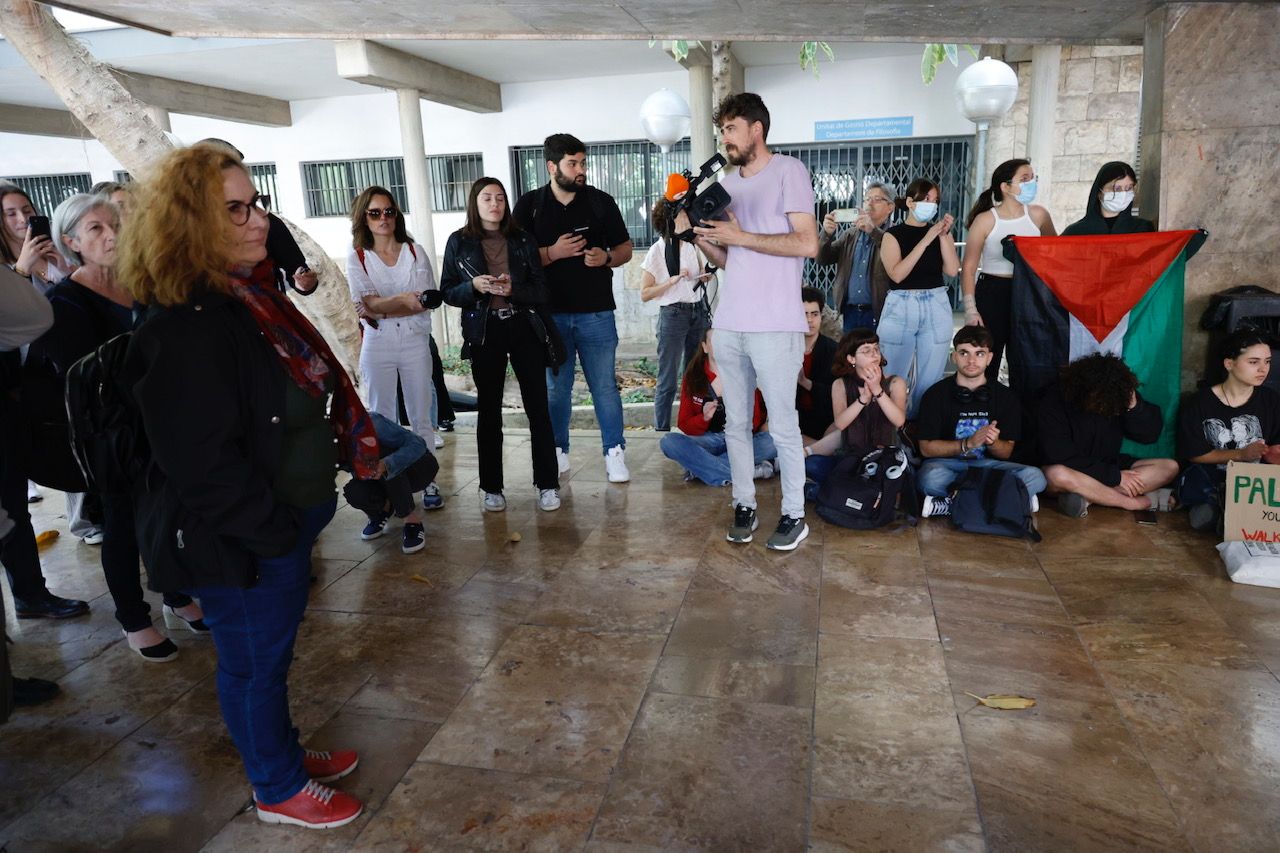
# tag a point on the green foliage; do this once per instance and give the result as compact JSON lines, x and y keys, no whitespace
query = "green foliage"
{"x":809,"y":55}
{"x":645,"y":366}
{"x":637,"y":395}
{"x":935,"y":54}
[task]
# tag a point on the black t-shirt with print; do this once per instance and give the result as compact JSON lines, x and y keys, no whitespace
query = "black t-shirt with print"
{"x":1205,"y":423}
{"x":948,"y":413}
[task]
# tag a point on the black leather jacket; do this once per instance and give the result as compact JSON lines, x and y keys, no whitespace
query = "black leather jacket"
{"x":464,"y":259}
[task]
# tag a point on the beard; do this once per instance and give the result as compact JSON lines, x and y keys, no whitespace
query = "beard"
{"x":740,"y":156}
{"x":570,"y":185}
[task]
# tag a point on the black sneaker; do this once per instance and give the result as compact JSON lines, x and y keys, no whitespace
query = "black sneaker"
{"x":414,"y":539}
{"x":935,"y":507}
{"x":790,"y":533}
{"x":49,"y":606}
{"x":446,"y":425}
{"x":376,"y":527}
{"x":744,"y":522}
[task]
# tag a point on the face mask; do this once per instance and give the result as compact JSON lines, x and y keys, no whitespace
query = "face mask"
{"x":1115,"y":202}
{"x":925,"y":211}
{"x":1027,"y":193}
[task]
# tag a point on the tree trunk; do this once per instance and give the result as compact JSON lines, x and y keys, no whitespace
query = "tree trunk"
{"x":721,"y":73}
{"x":125,"y":127}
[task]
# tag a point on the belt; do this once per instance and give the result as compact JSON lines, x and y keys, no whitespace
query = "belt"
{"x":864,"y":306}
{"x":503,"y":313}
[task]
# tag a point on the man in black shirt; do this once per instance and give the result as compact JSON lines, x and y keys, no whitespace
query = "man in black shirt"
{"x":813,"y":385}
{"x":967,"y":422}
{"x":582,"y":236}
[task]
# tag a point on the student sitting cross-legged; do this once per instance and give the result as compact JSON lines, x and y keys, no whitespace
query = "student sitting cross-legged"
{"x":968,"y":422}
{"x":699,"y":446}
{"x":1083,"y":420}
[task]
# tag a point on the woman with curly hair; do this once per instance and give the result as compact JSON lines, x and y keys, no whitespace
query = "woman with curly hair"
{"x":232,"y":384}
{"x":1083,"y":420}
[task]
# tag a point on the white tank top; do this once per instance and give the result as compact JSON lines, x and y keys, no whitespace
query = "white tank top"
{"x":993,"y":259}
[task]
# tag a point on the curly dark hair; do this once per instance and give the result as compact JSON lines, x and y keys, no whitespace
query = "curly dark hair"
{"x":1100,"y":384}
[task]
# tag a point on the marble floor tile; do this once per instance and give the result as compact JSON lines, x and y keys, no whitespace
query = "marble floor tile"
{"x":636,"y":596}
{"x":750,"y":681}
{"x":838,"y":826}
{"x":553,"y":701}
{"x":779,"y":629}
{"x":727,"y":567}
{"x":876,"y":597}
{"x":683,"y":782}
{"x":976,"y":595}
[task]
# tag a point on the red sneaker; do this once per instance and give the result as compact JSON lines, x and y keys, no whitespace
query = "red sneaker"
{"x":329,"y":766}
{"x":315,"y":807}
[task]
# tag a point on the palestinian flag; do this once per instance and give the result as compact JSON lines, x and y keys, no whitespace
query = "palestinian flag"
{"x":1111,"y":293}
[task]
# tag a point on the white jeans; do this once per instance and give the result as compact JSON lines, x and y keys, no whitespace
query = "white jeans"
{"x":395,"y":349}
{"x":769,"y":361}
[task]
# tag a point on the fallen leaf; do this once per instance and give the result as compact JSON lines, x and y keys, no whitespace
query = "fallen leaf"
{"x":515,"y":536}
{"x":46,"y":538}
{"x":1005,"y":701}
{"x":420,"y":579}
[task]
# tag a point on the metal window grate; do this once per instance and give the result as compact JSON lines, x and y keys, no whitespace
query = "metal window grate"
{"x":49,"y":191}
{"x":122,"y":177}
{"x":263,"y":176}
{"x":330,"y":187}
{"x":633,"y":172}
{"x":451,"y":178}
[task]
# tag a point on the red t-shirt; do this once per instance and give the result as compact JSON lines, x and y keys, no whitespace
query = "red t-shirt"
{"x":691,"y":421}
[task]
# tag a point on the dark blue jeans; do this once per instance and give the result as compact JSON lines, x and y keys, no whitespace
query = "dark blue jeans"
{"x":859,"y":318}
{"x":254,"y":630}
{"x":680,"y":330}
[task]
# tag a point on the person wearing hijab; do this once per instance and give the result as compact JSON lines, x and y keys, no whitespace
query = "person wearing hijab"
{"x":1110,"y":209}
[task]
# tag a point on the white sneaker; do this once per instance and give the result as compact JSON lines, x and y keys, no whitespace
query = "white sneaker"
{"x":615,"y":464}
{"x":94,"y":537}
{"x":548,"y":499}
{"x":1035,"y":503}
{"x":439,"y":440}
{"x":494,"y":502}
{"x":562,"y":461}
{"x":34,"y":495}
{"x":763,"y":471}
{"x":935,"y":507}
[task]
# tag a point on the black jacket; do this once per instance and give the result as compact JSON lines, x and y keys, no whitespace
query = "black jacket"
{"x":814,"y":422}
{"x":1091,"y":443}
{"x":464,"y":259}
{"x":1095,"y":223}
{"x":212,"y":394}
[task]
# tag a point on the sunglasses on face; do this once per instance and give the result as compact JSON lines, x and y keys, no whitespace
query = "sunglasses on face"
{"x":376,"y":213}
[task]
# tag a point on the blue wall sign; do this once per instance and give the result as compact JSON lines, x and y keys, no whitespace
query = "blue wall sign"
{"x":890,"y":127}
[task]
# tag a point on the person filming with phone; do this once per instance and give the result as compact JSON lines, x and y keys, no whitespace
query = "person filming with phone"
{"x":27,"y":246}
{"x":861,"y":281}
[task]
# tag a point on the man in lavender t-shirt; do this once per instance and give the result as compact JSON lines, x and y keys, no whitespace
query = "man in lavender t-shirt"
{"x":759,"y":323}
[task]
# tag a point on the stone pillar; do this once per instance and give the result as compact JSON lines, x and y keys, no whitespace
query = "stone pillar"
{"x":722,"y":75}
{"x":1211,"y":133}
{"x":418,"y":185}
{"x":702,"y":139}
{"x":1042,"y":110}
{"x":161,"y":117}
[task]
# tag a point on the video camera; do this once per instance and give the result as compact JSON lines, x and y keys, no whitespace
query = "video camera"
{"x":682,"y":194}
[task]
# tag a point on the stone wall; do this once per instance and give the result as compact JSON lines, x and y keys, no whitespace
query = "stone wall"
{"x":1097,"y":121}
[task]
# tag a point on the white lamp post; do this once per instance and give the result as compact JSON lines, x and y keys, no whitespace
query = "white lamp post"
{"x":985,"y":91}
{"x":665,"y":118}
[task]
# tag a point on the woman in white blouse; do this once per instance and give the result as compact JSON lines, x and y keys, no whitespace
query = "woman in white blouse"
{"x":387,"y":273}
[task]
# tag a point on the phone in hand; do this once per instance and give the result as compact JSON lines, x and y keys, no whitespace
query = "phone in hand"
{"x":1145,"y":516}
{"x":846,"y":214}
{"x":581,"y":230}
{"x":38,"y":226}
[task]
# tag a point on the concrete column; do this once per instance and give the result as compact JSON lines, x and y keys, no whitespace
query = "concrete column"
{"x":1042,"y":109}
{"x":702,"y":140}
{"x":418,"y":184}
{"x":721,"y":72}
{"x":161,"y":117}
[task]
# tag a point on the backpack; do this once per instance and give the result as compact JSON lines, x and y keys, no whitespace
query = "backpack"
{"x":995,"y":501}
{"x":107,"y":435}
{"x":866,"y":492}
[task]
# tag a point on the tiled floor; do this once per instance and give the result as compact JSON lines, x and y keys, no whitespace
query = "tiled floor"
{"x":621,"y":678}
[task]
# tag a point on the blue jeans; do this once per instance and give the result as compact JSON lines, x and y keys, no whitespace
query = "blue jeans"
{"x":859,"y":318}
{"x":706,"y":456}
{"x":680,"y":330}
{"x":593,"y":338}
{"x":1202,"y":484}
{"x":254,"y":629}
{"x":938,"y":475}
{"x":915,"y":327}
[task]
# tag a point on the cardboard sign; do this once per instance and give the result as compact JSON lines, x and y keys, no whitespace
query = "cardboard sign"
{"x":1253,"y":503}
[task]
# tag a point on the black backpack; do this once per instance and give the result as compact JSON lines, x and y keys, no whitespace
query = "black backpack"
{"x":995,"y":501}
{"x":870,"y":491}
{"x":107,"y":435}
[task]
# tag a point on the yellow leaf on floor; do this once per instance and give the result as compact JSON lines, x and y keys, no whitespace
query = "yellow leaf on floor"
{"x":515,"y":536}
{"x":46,"y":538}
{"x":1005,"y":701}
{"x":420,"y":579}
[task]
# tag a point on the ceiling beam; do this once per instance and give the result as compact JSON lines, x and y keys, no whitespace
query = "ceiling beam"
{"x":38,"y":121}
{"x":197,"y":99}
{"x":378,"y":65}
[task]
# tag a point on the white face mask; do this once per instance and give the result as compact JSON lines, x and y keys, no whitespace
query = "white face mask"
{"x":924,"y":211}
{"x":1114,"y":202}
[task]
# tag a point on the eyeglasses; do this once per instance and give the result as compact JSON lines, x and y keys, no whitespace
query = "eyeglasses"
{"x":376,"y":213}
{"x":875,"y":200}
{"x":239,"y":210}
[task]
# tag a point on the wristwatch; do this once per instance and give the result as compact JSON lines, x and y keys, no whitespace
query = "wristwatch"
{"x":608,"y":257}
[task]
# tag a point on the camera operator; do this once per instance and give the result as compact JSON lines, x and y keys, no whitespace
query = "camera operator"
{"x":759,"y":322}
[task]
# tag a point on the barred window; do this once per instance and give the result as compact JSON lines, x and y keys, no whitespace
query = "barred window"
{"x":49,"y":191}
{"x":122,"y":177}
{"x":451,"y":178}
{"x":263,"y":176}
{"x":330,"y":187}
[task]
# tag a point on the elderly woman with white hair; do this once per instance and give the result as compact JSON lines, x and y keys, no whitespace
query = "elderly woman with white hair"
{"x":90,"y":307}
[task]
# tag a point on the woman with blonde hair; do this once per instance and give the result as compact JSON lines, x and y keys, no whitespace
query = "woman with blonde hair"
{"x":231,"y":382}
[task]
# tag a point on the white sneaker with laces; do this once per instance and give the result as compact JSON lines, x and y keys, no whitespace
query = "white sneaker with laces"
{"x":494,"y":502}
{"x":439,"y":440}
{"x":548,"y":499}
{"x":562,"y":461}
{"x":763,"y":471}
{"x":615,"y":463}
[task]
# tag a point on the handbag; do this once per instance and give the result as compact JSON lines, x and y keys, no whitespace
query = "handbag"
{"x":546,"y":331}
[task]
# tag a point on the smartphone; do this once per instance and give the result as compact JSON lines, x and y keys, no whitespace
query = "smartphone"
{"x":1145,"y":516}
{"x":846,"y":214}
{"x":38,"y":226}
{"x":582,"y":230}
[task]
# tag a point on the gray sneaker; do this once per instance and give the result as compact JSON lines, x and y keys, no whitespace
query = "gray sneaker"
{"x":1073,"y":505}
{"x":790,"y":533}
{"x":744,"y":522}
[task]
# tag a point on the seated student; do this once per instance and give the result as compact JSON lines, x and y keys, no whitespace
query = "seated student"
{"x":406,"y":467}
{"x":1083,"y":420}
{"x":869,"y":406}
{"x":700,"y":446}
{"x":813,"y":385}
{"x":967,"y":422}
{"x":1236,"y":420}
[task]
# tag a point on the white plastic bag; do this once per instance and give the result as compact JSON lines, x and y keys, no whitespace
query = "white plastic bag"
{"x":1256,"y":563}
